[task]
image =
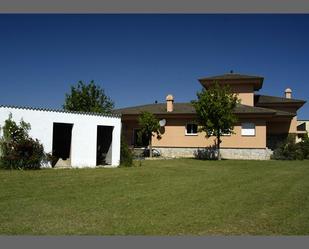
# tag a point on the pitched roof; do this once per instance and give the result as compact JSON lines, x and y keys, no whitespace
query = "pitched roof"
{"x":187,"y":108}
{"x":265,"y":99}
{"x":159,"y":108}
{"x":234,"y":77}
{"x":115,"y":115}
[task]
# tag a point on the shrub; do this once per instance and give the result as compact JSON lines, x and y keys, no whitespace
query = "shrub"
{"x":288,"y":150}
{"x":304,"y":145}
{"x":126,"y":155}
{"x":17,"y":149}
{"x":208,"y":153}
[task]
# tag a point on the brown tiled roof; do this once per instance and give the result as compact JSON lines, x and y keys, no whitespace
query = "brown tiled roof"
{"x":187,"y":108}
{"x":233,"y":78}
{"x":264,"y":99}
{"x":159,"y":108}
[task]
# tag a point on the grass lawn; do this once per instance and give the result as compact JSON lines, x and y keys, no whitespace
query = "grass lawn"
{"x":166,"y":197}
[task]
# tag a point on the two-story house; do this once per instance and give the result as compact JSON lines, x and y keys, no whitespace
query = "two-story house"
{"x":263,"y":121}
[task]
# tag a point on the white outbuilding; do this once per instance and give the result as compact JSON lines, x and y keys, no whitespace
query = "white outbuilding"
{"x":75,"y":139}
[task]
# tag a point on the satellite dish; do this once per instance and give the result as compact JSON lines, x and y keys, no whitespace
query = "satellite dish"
{"x":162,"y":122}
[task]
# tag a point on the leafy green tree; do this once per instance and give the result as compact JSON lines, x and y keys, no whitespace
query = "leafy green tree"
{"x":88,"y":98}
{"x":149,"y":127}
{"x":214,"y":108}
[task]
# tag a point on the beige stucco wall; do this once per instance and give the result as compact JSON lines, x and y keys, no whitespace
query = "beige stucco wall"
{"x":245,"y":94}
{"x":246,"y":98}
{"x":175,"y":129}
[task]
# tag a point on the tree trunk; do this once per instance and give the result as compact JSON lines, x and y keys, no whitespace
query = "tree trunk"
{"x":218,"y":147}
{"x":150,"y":147}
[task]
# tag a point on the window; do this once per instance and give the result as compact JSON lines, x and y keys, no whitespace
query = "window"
{"x":139,"y":142}
{"x":191,"y":129}
{"x":248,"y":129}
{"x":227,"y":134}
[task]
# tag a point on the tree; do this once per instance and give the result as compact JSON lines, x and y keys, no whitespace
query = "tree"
{"x":88,"y":98}
{"x":149,"y":127}
{"x":214,"y":108}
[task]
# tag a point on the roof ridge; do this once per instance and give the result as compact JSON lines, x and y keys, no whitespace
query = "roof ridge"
{"x":62,"y":111}
{"x":232,"y":74}
{"x":161,"y":103}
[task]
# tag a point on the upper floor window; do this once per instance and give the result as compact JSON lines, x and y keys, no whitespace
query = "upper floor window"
{"x":191,"y":129}
{"x":248,"y":129}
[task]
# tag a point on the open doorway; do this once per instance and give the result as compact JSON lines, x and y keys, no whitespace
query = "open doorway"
{"x":104,"y":144}
{"x":61,"y":151}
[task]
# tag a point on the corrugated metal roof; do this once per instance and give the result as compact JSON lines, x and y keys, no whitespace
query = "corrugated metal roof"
{"x":115,"y":115}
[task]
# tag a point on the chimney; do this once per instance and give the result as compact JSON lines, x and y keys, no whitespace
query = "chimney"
{"x":169,"y":103}
{"x":288,"y":93}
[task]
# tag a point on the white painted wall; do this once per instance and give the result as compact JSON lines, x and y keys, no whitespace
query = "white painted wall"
{"x":84,"y":132}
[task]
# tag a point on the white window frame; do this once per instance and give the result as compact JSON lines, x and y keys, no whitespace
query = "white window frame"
{"x":227,"y":134}
{"x":191,"y":134}
{"x":248,"y":129}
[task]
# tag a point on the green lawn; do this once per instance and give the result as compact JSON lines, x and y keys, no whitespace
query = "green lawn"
{"x":166,"y":197}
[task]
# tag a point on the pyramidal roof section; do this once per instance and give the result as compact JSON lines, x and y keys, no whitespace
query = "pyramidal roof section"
{"x":233,"y":78}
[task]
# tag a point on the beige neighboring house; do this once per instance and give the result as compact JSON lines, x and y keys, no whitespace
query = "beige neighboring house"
{"x":263,"y":121}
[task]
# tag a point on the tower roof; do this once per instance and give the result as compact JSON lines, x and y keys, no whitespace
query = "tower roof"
{"x":233,"y":78}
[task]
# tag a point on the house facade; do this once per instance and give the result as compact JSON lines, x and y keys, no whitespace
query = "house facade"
{"x":263,"y":121}
{"x":75,"y":139}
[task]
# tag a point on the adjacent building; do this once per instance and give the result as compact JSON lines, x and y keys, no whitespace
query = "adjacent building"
{"x":263,"y":121}
{"x":75,"y":139}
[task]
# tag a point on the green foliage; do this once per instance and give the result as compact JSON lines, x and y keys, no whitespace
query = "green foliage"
{"x":13,"y":132}
{"x":149,"y":124}
{"x":17,"y":149}
{"x":288,"y":150}
{"x":304,"y":145}
{"x":214,"y":108}
{"x":126,"y":155}
{"x":149,"y":127}
{"x":208,"y":153}
{"x":88,"y":98}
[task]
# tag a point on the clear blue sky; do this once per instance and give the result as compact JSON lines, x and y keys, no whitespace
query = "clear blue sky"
{"x":138,"y":59}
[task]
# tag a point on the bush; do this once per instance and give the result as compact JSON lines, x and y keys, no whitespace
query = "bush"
{"x":17,"y":149}
{"x":126,"y":155}
{"x":304,"y":145}
{"x":208,"y":153}
{"x":288,"y":150}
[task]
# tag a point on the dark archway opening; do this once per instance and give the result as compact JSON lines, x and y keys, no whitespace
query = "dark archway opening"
{"x":104,"y":144}
{"x":62,"y":135}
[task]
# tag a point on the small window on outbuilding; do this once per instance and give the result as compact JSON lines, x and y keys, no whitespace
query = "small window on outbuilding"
{"x":248,"y":129}
{"x":191,"y":129}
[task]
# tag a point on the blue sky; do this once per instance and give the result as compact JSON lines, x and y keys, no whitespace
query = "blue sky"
{"x":138,"y":59}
